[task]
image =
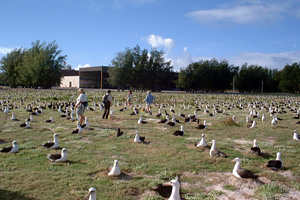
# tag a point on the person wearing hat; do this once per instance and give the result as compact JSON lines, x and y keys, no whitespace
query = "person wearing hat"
{"x":149,"y":100}
{"x":107,"y":101}
{"x":82,"y":98}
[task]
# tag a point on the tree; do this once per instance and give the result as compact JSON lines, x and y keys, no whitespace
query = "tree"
{"x":289,"y":78}
{"x":42,"y":65}
{"x":139,"y":69}
{"x":10,"y":65}
{"x":207,"y":75}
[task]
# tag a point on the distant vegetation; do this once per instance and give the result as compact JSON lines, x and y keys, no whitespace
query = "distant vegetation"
{"x":140,"y":69}
{"x":39,"y":66}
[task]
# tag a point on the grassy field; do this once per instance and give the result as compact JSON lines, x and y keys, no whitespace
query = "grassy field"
{"x":29,"y":175}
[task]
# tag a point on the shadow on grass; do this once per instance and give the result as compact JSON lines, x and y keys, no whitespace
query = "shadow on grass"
{"x":9,"y":195}
{"x":266,"y":155}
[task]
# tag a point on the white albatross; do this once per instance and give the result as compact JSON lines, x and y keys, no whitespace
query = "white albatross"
{"x":91,"y":195}
{"x":115,"y":171}
{"x":240,"y":172}
{"x":58,"y":157}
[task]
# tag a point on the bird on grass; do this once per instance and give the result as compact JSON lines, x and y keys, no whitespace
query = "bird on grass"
{"x":140,"y":121}
{"x":11,"y":149}
{"x":26,"y":124}
{"x":138,"y":138}
{"x":296,"y":136}
{"x":202,"y":142}
{"x":50,"y":120}
{"x":275,"y":164}
{"x":163,"y":121}
{"x":115,"y":171}
{"x":91,"y":195}
{"x":216,"y":152}
{"x":86,"y":123}
{"x":201,"y":126}
{"x":78,"y":130}
{"x":255,"y":149}
{"x":52,"y":145}
{"x":119,"y":133}
{"x":175,"y":194}
{"x":58,"y":157}
{"x":240,"y":172}
{"x":13,"y":117}
{"x":179,"y":133}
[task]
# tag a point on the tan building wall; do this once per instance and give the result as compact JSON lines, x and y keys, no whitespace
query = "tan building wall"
{"x":69,"y":81}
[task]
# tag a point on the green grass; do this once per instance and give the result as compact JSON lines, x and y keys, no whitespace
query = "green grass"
{"x":270,"y":191}
{"x":30,"y":175}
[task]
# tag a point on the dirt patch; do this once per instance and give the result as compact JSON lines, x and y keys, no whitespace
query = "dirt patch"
{"x":243,"y":141}
{"x":243,"y":188}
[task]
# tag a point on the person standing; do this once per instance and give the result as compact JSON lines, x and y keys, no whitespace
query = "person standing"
{"x":149,"y":100}
{"x":107,"y":101}
{"x":80,"y":105}
{"x":129,"y":97}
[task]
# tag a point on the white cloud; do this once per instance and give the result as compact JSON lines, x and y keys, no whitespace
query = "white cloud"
{"x":238,"y":14}
{"x":5,"y":50}
{"x":157,"y":41}
{"x":82,"y":66}
{"x":182,"y":60}
{"x":270,"y":60}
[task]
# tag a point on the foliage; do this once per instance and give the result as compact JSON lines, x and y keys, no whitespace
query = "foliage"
{"x":289,"y":78}
{"x":140,"y":69}
{"x":39,"y":66}
{"x":207,"y":75}
{"x":10,"y":65}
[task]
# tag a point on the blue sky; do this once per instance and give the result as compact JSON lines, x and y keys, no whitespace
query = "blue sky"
{"x":91,"y":32}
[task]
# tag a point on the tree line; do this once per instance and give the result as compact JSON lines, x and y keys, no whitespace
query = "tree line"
{"x":136,"y":68}
{"x":212,"y":75}
{"x":141,"y":69}
{"x":38,"y":66}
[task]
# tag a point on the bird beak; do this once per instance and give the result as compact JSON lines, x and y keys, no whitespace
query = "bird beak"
{"x":166,"y":184}
{"x":87,"y":196}
{"x":232,"y":160}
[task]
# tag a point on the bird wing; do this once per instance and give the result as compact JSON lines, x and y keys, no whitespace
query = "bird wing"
{"x":54,"y":157}
{"x":48,"y":144}
{"x":244,"y":173}
{"x":6,"y":149}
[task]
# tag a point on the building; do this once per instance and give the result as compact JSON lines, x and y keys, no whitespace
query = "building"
{"x":87,"y":77}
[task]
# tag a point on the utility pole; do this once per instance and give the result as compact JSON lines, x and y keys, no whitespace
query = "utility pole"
{"x":233,"y":88}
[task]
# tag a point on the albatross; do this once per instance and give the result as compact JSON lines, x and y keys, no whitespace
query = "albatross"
{"x":11,"y":149}
{"x":216,"y":152}
{"x":296,"y":136}
{"x":115,"y":171}
{"x":58,"y":157}
{"x":179,"y":133}
{"x":91,"y":195}
{"x":52,"y":145}
{"x":255,"y":149}
{"x":175,"y":195}
{"x":137,"y":138}
{"x":240,"y":172}
{"x":275,"y":164}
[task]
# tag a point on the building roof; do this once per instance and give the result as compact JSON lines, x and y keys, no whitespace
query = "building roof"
{"x":70,"y":72}
{"x":90,"y":69}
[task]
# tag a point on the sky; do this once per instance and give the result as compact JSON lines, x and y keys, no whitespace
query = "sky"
{"x":92,"y":32}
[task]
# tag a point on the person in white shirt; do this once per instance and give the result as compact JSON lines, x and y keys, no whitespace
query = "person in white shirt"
{"x":81,"y":100}
{"x":107,"y":101}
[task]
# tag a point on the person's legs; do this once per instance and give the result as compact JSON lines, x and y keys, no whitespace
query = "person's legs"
{"x":108,"y":110}
{"x":81,"y":117}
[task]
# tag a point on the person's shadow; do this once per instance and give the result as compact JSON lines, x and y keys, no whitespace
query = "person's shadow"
{"x":10,"y":195}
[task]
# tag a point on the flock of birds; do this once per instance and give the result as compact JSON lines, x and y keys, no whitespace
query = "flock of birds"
{"x":169,"y":190}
